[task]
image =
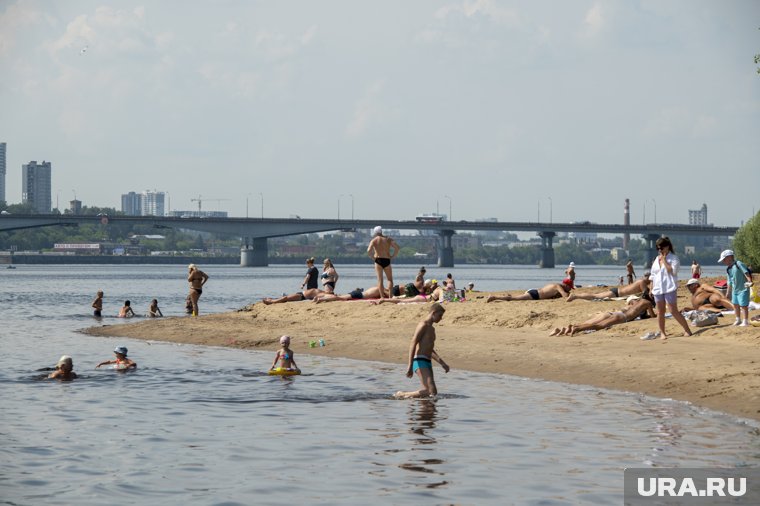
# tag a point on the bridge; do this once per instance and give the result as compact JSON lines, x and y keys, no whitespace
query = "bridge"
{"x":256,"y":231}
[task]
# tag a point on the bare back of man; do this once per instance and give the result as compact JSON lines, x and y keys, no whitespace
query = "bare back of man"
{"x":619,"y":291}
{"x":550,"y":291}
{"x":382,"y":250}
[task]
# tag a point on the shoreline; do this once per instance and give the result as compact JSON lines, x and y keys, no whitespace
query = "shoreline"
{"x":717,"y":368}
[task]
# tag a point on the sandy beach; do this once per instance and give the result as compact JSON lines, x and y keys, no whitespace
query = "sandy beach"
{"x":718,"y":367}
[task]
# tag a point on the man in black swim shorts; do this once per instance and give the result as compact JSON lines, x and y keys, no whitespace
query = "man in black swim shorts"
{"x":382,"y":250}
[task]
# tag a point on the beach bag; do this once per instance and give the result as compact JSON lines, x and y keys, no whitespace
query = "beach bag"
{"x":704,"y":318}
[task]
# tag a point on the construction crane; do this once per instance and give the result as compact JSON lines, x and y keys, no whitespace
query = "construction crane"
{"x":200,"y":200}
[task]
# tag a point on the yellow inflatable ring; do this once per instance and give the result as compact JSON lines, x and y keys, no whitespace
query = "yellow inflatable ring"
{"x":281,"y":371}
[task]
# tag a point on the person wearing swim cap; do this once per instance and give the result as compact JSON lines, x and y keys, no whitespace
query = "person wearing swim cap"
{"x":64,"y":369}
{"x":382,"y":250}
{"x":121,"y":361}
{"x":197,"y":278}
{"x":284,"y":356}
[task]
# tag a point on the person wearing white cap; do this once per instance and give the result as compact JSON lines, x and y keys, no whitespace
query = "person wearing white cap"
{"x":706,"y":298}
{"x":570,"y":271}
{"x":382,"y":250}
{"x":64,"y":369}
{"x":739,"y":283}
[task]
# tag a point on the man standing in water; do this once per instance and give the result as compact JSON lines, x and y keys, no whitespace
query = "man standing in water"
{"x":379,"y":250}
{"x":421,"y":354}
{"x":197,"y":278}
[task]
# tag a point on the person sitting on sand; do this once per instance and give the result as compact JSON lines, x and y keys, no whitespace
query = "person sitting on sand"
{"x":285,"y":356}
{"x":634,"y":308}
{"x":121,"y":361}
{"x":550,"y":291}
{"x":126,"y":310}
{"x":422,"y":353}
{"x":153,"y":310}
{"x":64,"y":369}
{"x":640,"y":286}
{"x":706,"y":298}
{"x":307,"y":294}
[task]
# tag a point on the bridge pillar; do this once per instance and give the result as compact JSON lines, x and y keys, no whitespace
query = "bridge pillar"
{"x":547,"y":251}
{"x":651,"y":251}
{"x":445,"y":250}
{"x":256,"y":256}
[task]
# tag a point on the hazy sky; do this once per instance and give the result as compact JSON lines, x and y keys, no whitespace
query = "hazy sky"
{"x":495,"y":108}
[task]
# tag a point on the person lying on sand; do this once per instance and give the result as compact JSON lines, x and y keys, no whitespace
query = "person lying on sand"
{"x":634,"y":308}
{"x":551,"y":291}
{"x":372,"y":292}
{"x":637,"y":288}
{"x":706,"y":298}
{"x":309,"y":293}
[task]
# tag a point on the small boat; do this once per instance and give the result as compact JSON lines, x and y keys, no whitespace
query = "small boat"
{"x":11,"y":267}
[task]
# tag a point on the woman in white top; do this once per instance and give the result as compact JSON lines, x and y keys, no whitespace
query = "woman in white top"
{"x":664,"y":277}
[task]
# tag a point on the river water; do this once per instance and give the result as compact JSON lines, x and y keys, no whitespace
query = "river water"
{"x":202,"y":425}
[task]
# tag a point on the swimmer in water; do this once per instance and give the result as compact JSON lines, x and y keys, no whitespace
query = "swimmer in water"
{"x":421,"y":355}
{"x":126,"y":311}
{"x":121,"y":361}
{"x":153,"y":310}
{"x":97,"y":304}
{"x":284,"y":356}
{"x":64,"y":369}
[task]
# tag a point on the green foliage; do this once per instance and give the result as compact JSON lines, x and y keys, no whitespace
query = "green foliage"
{"x":747,"y":242}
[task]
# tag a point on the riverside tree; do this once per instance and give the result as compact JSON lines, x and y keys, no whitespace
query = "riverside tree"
{"x":747,"y":243}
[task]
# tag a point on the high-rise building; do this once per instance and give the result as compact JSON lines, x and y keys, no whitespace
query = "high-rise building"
{"x":698,"y":216}
{"x":131,"y":204}
{"x":152,"y":203}
{"x":2,"y":172}
{"x":36,"y":187}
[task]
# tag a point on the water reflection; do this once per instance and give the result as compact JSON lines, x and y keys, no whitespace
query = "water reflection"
{"x":423,"y":418}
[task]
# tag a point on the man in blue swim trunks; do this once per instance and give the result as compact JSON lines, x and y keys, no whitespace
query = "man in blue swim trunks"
{"x":422,"y":354}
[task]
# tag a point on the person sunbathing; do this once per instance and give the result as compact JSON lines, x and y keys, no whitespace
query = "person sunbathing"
{"x":550,"y":291}
{"x":634,"y":308}
{"x":309,"y":293}
{"x":372,"y":292}
{"x":706,"y":298}
{"x":636,"y":288}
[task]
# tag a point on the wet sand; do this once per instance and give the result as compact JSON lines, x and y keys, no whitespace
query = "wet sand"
{"x":718,"y":367}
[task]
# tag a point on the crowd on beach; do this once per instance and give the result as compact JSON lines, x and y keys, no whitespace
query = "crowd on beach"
{"x":654,"y":295}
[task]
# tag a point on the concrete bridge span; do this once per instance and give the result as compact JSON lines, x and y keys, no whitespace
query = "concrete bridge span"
{"x":256,"y":231}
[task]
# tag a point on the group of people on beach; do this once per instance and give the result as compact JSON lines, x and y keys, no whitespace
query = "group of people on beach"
{"x":648,"y":297}
{"x":381,"y":250}
{"x":656,"y":291}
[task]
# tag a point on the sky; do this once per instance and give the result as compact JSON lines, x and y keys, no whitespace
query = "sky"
{"x":515,"y":110}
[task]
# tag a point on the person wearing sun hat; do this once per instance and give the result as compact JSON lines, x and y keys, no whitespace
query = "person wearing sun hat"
{"x":739,"y":282}
{"x":64,"y":369}
{"x":121,"y":361}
